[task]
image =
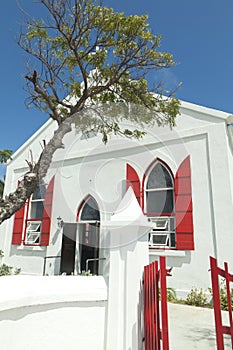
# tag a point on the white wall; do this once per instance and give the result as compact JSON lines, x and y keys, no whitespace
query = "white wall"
{"x":52,"y":313}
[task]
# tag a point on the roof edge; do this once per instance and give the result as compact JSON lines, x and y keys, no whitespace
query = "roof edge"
{"x":30,"y":140}
{"x":205,"y":110}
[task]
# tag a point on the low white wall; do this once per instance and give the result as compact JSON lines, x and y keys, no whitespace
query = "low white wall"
{"x":52,"y":312}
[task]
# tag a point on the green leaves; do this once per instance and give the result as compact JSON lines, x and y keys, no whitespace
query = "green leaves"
{"x":36,"y":30}
{"x":5,"y":155}
{"x":94,"y":55}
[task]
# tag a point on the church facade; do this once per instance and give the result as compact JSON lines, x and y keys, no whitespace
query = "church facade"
{"x":182,"y":180}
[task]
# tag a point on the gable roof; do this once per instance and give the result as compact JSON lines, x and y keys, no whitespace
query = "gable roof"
{"x":197,"y":111}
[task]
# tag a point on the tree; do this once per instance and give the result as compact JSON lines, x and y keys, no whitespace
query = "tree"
{"x":84,"y":56}
{"x":4,"y":156}
{"x":1,"y":188}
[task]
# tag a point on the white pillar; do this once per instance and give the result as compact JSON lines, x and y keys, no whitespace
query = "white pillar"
{"x":128,"y":255}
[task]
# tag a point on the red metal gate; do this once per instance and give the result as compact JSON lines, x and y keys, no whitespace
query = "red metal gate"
{"x":155,"y":306}
{"x":220,"y":328}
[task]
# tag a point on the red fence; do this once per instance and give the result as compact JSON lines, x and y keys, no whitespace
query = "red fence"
{"x":220,"y":328}
{"x":155,"y":306}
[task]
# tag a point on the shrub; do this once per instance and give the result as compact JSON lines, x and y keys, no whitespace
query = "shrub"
{"x":6,"y":270}
{"x":171,"y":295}
{"x":196,"y":297}
{"x":86,"y":273}
{"x":223,"y":296}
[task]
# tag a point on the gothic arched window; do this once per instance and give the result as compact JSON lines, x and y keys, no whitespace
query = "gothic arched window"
{"x":159,"y":191}
{"x":159,"y":205}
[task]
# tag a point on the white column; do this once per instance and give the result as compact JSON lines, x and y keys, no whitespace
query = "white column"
{"x":128,"y":255}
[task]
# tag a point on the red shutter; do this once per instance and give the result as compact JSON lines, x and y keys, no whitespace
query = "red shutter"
{"x":18,"y":226}
{"x":133,"y":181}
{"x":46,"y":220}
{"x":19,"y":219}
{"x":183,"y":207}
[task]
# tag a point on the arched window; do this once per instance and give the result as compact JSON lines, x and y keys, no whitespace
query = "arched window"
{"x":167,"y":201}
{"x":159,"y":191}
{"x":88,"y":235}
{"x":89,"y":210}
{"x":159,"y":206}
{"x":37,"y":203}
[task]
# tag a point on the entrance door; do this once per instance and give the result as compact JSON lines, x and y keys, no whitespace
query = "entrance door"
{"x":89,"y":246}
{"x":88,"y":228}
{"x":68,"y":248}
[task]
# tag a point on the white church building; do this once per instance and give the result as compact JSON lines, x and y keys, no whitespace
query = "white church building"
{"x":180,"y":179}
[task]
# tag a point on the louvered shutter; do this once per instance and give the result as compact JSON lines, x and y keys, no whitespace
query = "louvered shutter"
{"x":133,"y":181}
{"x":19,"y":219}
{"x":18,"y":226}
{"x":46,"y":220}
{"x":183,"y":207}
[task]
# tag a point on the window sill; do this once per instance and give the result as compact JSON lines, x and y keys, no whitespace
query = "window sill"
{"x":161,"y":252}
{"x":31,"y":247}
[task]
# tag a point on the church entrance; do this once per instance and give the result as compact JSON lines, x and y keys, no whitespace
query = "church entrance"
{"x":68,"y":249}
{"x":88,"y":236}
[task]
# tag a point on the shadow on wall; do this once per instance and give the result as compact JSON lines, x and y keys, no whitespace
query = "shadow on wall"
{"x":19,"y":313}
{"x":175,"y":261}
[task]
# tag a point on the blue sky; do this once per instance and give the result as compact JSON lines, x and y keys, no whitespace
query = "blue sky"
{"x":198,"y":33}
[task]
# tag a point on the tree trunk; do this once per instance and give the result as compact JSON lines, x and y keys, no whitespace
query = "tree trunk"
{"x":15,"y":200}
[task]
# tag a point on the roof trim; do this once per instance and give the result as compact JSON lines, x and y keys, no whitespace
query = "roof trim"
{"x":31,"y":139}
{"x":211,"y":112}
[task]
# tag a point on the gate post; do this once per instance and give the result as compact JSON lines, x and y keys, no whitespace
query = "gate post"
{"x":155,"y":318}
{"x":164,"y":313}
{"x":128,"y":254}
{"x":219,"y":327}
{"x":216,"y":301}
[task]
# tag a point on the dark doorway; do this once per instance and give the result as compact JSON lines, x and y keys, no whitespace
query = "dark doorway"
{"x":88,"y":229}
{"x":68,"y":248}
{"x":89,"y":246}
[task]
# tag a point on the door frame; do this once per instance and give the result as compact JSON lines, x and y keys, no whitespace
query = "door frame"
{"x":80,"y":245}
{"x":64,"y":246}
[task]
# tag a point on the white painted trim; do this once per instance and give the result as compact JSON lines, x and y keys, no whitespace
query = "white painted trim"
{"x":214,"y":113}
{"x":28,"y":247}
{"x":160,"y":252}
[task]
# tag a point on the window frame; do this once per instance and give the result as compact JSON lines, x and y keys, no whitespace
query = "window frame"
{"x":81,"y":207}
{"x":146,"y":190}
{"x":168,"y":230}
{"x":31,"y":219}
{"x":153,"y":215}
{"x":31,"y":232}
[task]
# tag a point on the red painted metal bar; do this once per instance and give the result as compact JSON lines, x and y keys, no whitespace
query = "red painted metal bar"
{"x":220,"y":328}
{"x":150,"y":312}
{"x":157,"y":306}
{"x":217,"y":305}
{"x":228,"y":278}
{"x":164,"y":313}
{"x":152,"y":305}
{"x":155,"y":318}
{"x":145,"y":290}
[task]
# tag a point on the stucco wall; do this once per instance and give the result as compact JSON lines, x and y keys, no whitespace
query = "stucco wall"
{"x":52,"y":313}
